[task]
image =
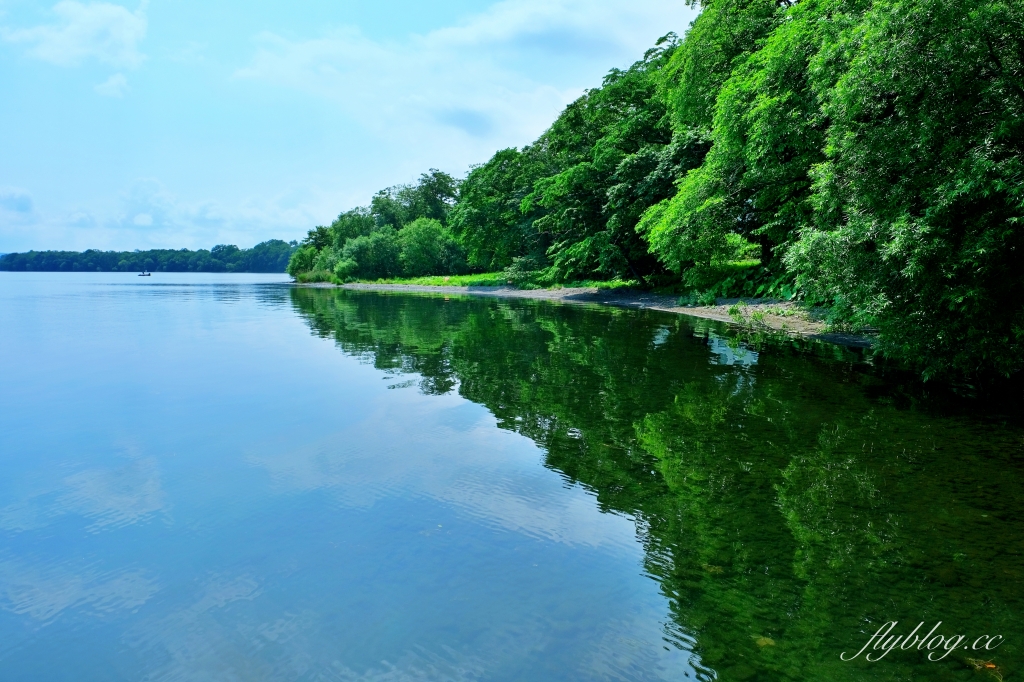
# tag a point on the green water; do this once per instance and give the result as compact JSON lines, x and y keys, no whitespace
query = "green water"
{"x":789,"y":499}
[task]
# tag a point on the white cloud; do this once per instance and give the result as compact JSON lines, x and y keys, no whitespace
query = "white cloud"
{"x":150,"y":205}
{"x":491,"y":80}
{"x":115,"y":86}
{"x":115,"y":497}
{"x":152,"y":216}
{"x":455,"y":465}
{"x":103,"y":31}
{"x":384,"y":111}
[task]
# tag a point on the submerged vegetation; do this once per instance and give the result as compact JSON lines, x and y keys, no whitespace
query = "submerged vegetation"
{"x":268,"y":256}
{"x":864,"y":156}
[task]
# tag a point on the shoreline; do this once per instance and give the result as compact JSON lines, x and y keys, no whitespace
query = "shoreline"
{"x":764,"y":314}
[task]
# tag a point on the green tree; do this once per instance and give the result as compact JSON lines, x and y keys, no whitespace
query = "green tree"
{"x":488,"y":218}
{"x":357,"y":222}
{"x":268,"y":256}
{"x":599,"y":141}
{"x":725,"y":32}
{"x":376,"y":256}
{"x":318,"y":237}
{"x":431,"y":197}
{"x":427,"y":248}
{"x":920,"y":202}
{"x":302,"y":260}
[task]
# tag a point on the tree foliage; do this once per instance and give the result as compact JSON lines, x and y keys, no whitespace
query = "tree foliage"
{"x":873,"y":150}
{"x":489,"y":219}
{"x":920,"y":198}
{"x":431,"y":197}
{"x":401,"y":233}
{"x":374,"y":256}
{"x":268,"y":256}
{"x":867,"y":152}
{"x":427,"y":247}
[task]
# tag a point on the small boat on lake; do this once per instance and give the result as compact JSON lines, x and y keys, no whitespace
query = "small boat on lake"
{"x":145,"y":274}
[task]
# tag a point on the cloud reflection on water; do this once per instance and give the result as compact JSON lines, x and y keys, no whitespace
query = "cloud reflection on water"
{"x":111,"y":497}
{"x":487,"y":473}
{"x":43,"y":591}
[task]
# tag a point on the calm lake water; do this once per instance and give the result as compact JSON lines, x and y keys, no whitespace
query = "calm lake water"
{"x":223,"y":477}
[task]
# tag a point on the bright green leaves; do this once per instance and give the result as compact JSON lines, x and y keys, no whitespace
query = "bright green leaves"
{"x":688,"y":232}
{"x":725,"y":32}
{"x":767,"y":132}
{"x":488,"y":219}
{"x":919,"y":202}
{"x":428,"y":248}
{"x":873,"y":150}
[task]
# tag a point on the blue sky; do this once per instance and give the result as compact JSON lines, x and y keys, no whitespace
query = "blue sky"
{"x":188,"y":124}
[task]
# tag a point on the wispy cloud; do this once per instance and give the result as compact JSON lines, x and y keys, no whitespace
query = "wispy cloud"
{"x":115,"y":86}
{"x":148,"y":206}
{"x":43,"y":591}
{"x":489,"y":78}
{"x":103,"y":31}
{"x":345,"y":114}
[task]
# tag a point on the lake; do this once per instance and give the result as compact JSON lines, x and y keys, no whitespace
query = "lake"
{"x":225,"y":477}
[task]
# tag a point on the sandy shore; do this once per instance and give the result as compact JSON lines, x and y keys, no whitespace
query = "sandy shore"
{"x":773,"y":315}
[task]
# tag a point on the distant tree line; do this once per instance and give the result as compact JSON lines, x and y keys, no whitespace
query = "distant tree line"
{"x":268,"y":256}
{"x":866,"y":156}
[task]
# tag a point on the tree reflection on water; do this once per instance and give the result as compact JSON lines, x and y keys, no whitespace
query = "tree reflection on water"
{"x":790,"y":499}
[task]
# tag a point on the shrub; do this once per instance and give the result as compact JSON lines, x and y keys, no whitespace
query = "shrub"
{"x":427,"y":248}
{"x":522,"y":271}
{"x":302,"y":260}
{"x":376,"y":256}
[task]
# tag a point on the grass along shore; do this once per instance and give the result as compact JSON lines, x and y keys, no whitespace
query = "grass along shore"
{"x":486,"y":279}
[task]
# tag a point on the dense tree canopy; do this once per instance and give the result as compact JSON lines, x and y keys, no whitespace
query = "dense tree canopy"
{"x":404,"y":231}
{"x":919,"y":200}
{"x":489,"y":218}
{"x":864,"y":155}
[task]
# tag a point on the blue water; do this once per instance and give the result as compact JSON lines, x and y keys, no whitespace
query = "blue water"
{"x":193,"y":486}
{"x":225,"y":477}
